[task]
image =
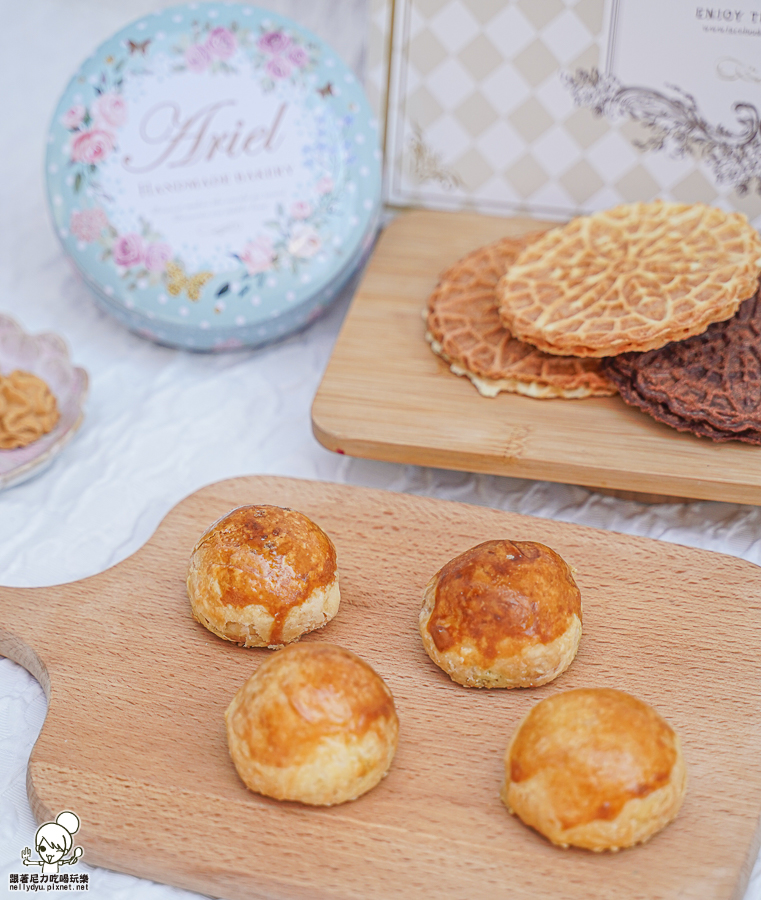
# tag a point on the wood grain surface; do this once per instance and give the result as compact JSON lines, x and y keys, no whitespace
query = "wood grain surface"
{"x":134,"y":739}
{"x":385,"y":395}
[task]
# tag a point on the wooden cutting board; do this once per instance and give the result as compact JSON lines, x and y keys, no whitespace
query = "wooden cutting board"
{"x":386,"y":396}
{"x":134,"y":740}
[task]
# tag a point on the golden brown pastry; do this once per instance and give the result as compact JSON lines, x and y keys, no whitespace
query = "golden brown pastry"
{"x":594,"y":768}
{"x":314,"y":723}
{"x":502,"y":614}
{"x":262,"y":576}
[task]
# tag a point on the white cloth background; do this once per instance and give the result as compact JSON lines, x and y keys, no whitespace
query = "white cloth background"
{"x":162,"y":423}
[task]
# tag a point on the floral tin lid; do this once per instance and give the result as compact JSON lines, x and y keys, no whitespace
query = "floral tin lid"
{"x":213,"y":170}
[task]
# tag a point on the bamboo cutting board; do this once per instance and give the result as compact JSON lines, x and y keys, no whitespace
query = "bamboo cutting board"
{"x":134,"y":739}
{"x":386,"y":396}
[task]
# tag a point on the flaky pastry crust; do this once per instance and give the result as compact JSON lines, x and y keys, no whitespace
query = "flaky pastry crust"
{"x":314,"y":723}
{"x":594,"y":768}
{"x":263,"y":576}
{"x":503,"y":614}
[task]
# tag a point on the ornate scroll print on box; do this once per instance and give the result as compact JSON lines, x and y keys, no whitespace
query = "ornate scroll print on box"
{"x":567,"y":107}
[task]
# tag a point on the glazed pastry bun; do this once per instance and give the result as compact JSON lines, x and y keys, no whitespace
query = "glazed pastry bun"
{"x":314,"y":723}
{"x":503,"y":614}
{"x":262,"y":576}
{"x":594,"y":768}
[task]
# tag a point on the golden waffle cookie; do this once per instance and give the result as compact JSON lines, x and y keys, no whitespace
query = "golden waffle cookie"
{"x":631,"y":278}
{"x":464,"y":328}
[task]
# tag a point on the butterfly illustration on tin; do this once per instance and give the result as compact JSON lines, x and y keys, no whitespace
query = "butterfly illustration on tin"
{"x":138,"y":47}
{"x":178,"y":281}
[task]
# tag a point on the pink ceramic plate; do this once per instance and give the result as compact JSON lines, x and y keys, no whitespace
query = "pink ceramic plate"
{"x":47,"y":356}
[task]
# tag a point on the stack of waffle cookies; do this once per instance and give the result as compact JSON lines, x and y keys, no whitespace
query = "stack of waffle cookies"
{"x":657,"y":301}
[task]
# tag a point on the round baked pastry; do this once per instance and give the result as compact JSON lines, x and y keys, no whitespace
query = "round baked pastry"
{"x":262,"y":576}
{"x":314,"y":723}
{"x":502,"y":614}
{"x":594,"y":768}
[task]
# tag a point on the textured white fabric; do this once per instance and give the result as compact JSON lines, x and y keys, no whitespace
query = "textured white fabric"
{"x":161,"y":423}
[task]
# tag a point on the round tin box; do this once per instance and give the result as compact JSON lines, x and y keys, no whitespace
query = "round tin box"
{"x":213,"y":171}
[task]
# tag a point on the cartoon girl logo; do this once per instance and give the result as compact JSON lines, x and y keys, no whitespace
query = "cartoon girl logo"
{"x":53,"y":842}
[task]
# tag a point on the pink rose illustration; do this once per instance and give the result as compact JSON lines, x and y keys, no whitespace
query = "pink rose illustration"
{"x":128,"y":250}
{"x":157,"y":255}
{"x":257,"y":255}
{"x":92,"y":146}
{"x":304,"y":242}
{"x":274,"y":42}
{"x":87,"y":224}
{"x":325,"y":185}
{"x":278,"y":67}
{"x":110,"y":111}
{"x":301,"y":210}
{"x":72,"y":118}
{"x":298,"y":56}
{"x":220,"y":43}
{"x":197,"y":58}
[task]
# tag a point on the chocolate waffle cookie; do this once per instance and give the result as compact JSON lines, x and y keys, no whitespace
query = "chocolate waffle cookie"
{"x":464,"y":329}
{"x":632,"y":278}
{"x":709,"y":385}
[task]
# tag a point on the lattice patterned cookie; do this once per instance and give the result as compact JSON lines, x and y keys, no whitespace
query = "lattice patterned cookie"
{"x":464,"y":328}
{"x":632,"y":278}
{"x":709,"y":385}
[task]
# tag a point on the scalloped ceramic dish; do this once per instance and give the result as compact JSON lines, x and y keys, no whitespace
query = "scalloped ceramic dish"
{"x":47,"y":356}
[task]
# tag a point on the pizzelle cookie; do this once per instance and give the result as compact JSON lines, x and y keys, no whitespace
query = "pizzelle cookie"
{"x":465,"y":330}
{"x":632,"y":278}
{"x":709,"y":385}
